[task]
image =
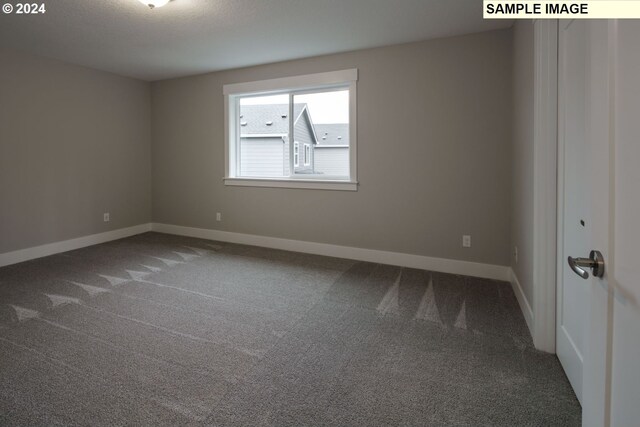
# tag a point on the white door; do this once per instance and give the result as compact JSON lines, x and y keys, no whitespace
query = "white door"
{"x":598,"y":324}
{"x":574,"y":222}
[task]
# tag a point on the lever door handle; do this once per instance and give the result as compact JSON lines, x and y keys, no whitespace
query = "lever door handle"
{"x":595,"y":262}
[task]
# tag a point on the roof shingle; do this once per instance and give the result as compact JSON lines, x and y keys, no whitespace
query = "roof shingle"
{"x":255,"y":119}
{"x":333,"y":134}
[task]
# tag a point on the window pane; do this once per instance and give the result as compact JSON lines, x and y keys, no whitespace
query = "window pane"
{"x":307,"y":154}
{"x":264,"y":141}
{"x":321,"y":122}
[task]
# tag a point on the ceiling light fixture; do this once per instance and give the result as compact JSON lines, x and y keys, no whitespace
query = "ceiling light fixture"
{"x":154,"y":3}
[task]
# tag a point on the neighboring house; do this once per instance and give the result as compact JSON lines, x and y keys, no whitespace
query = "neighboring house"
{"x":318,"y":149}
{"x":264,"y":142}
{"x":332,"y":151}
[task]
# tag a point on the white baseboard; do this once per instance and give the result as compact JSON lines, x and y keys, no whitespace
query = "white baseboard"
{"x":488,"y":271}
{"x":522,"y":301}
{"x":27,"y":254}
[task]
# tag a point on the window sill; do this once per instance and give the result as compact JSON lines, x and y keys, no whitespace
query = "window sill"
{"x":309,"y":184}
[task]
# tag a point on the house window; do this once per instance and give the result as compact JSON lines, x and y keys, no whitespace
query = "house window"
{"x":267,"y":121}
{"x":307,"y":154}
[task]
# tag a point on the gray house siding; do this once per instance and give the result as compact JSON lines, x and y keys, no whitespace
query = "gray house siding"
{"x":265,"y":157}
{"x":332,"y":151}
{"x":332,"y":161}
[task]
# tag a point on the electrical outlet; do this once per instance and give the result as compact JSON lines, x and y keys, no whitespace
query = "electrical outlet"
{"x":515,"y":254}
{"x":218,"y":216}
{"x":106,"y":217}
{"x":466,"y":241}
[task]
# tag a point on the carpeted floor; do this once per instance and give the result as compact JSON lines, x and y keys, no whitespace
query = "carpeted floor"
{"x":166,"y":330}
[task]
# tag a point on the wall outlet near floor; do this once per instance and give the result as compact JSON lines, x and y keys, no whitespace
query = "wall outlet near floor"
{"x":218,"y":216}
{"x":515,"y":254}
{"x":106,"y":217}
{"x":466,"y":241}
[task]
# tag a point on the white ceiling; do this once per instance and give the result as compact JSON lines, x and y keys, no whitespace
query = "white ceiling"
{"x":195,"y":36}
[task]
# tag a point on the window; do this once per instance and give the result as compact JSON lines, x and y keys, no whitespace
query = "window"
{"x":307,"y":154}
{"x":268,"y":121}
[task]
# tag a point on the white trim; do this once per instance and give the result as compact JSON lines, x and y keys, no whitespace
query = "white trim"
{"x":523,"y":302}
{"x":230,"y":133}
{"x":488,"y":271}
{"x":27,"y":254}
{"x":263,"y":135}
{"x":602,"y":90}
{"x":353,"y":131}
{"x":290,"y":137}
{"x":545,"y":186}
{"x":310,"y":184}
{"x":331,"y":146}
{"x":294,"y":82}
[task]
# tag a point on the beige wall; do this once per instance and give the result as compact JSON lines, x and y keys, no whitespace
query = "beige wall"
{"x":522,"y":190}
{"x":74,"y":143}
{"x":434,"y":153}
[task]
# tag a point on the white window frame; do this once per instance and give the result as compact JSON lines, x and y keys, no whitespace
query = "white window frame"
{"x":346,"y":79}
{"x":307,"y":154}
{"x":296,"y":154}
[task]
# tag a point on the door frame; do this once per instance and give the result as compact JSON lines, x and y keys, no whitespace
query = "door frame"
{"x":545,"y":184}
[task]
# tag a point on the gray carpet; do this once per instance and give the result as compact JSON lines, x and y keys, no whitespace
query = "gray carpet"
{"x":165,"y":330}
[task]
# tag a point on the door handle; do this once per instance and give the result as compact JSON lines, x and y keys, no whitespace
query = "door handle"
{"x":595,"y":262}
